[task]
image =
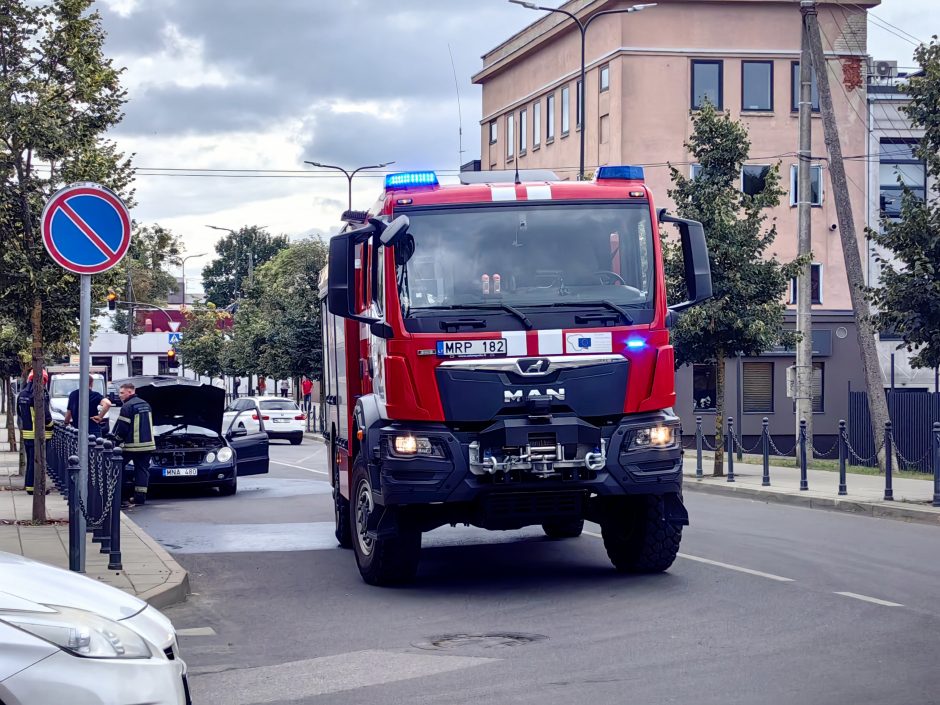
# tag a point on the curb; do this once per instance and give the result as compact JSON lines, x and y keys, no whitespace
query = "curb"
{"x":176,"y":587}
{"x":310,"y":435}
{"x":881,"y":510}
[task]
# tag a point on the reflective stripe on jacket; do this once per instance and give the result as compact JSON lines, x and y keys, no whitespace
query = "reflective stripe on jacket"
{"x":135,"y":426}
{"x":26,"y":413}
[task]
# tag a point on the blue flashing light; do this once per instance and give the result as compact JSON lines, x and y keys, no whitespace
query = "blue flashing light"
{"x":623,"y":173}
{"x":407,"y":179}
{"x":636,"y":343}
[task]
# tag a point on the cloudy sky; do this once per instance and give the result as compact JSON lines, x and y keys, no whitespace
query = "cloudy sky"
{"x":266,"y":84}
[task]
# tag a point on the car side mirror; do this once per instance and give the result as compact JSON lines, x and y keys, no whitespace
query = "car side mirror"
{"x":236,"y":433}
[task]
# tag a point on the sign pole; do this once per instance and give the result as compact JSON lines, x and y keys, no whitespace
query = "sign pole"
{"x":81,"y":489}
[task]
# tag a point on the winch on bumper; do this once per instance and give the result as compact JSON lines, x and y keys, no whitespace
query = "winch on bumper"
{"x":431,"y":463}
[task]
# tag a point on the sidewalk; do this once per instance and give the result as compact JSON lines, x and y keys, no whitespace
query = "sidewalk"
{"x":149,"y":571}
{"x":864,"y":493}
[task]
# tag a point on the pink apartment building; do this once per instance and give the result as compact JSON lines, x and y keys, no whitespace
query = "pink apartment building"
{"x":646,"y":71}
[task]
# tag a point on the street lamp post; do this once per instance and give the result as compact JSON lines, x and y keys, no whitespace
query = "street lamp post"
{"x":349,"y":174}
{"x":582,"y":26}
{"x":183,"y":266}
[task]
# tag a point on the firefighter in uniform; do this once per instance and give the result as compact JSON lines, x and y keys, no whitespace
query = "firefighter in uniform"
{"x":134,"y":431}
{"x":26,"y":412}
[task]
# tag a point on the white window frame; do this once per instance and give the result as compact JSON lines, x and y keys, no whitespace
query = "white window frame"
{"x":794,"y":185}
{"x":536,"y":124}
{"x":510,"y":136}
{"x":522,"y":131}
{"x":821,"y":268}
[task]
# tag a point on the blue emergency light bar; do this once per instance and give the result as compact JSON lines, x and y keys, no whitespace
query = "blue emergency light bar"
{"x":622,"y":173}
{"x":407,"y":179}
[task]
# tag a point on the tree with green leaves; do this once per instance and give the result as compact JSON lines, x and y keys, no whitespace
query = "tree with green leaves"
{"x":745,"y":315}
{"x":203,"y":342}
{"x":59,"y":94}
{"x":152,"y":251}
{"x":908,"y":298}
{"x":228,"y":276}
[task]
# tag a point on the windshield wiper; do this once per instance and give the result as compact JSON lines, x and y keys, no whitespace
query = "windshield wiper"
{"x":485,"y":307}
{"x":616,"y":308}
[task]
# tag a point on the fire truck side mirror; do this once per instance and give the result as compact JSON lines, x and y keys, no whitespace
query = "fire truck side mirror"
{"x":341,"y":295}
{"x":698,"y":275}
{"x":395,"y":230}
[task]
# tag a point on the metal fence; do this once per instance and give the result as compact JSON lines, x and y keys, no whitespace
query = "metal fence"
{"x":912,"y":416}
{"x":101,"y":505}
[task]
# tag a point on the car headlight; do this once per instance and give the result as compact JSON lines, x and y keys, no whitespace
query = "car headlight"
{"x":409,"y":446}
{"x":654,"y":437}
{"x":224,"y":455}
{"x":210,"y":457}
{"x":81,"y":633}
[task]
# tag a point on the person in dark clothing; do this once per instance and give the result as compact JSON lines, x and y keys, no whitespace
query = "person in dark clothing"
{"x":95,"y":417}
{"x":236,"y":383}
{"x":134,"y":430}
{"x":26,"y":413}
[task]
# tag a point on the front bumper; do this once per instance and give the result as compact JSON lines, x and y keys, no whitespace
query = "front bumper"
{"x":425,"y":480}
{"x":206,"y":474}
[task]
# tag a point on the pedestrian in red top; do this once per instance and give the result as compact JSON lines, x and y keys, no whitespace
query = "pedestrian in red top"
{"x":306,"y":386}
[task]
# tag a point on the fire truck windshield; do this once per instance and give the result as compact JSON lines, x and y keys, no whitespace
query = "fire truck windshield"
{"x":521,"y":255}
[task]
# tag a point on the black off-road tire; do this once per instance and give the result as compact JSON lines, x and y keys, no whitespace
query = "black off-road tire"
{"x":636,"y":536}
{"x":381,"y":561}
{"x":563,"y":529}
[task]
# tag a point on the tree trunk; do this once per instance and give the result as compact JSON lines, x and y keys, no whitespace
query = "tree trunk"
{"x":39,"y":396}
{"x":11,"y":413}
{"x":719,"y":469}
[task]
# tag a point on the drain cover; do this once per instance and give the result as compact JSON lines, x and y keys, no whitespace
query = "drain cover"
{"x":478,"y":641}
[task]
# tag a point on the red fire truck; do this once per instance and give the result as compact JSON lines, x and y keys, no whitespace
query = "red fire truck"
{"x":496,"y":353}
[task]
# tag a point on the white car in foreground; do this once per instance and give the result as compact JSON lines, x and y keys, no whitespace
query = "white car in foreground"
{"x":280,"y":417}
{"x":66,"y":639}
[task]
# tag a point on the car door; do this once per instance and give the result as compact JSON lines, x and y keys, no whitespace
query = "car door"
{"x":251,"y":447}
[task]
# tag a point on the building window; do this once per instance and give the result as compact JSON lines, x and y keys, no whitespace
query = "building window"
{"x":510,"y":135}
{"x":605,"y":129}
{"x":536,"y":124}
{"x":899,"y":161}
{"x":522,"y":126}
{"x":815,"y":285}
{"x":104,"y":361}
{"x":605,"y":78}
{"x":816,"y":185}
{"x":695,"y":171}
{"x":137,"y":366}
{"x":707,"y":83}
{"x":550,"y":118}
{"x":819,"y":381}
{"x":757,"y":85}
{"x":578,"y":104}
{"x":704,"y":387}
{"x":795,"y":90}
{"x":757,"y":387}
{"x":163,"y":365}
{"x":565,"y":111}
{"x":494,"y":131}
{"x":754,"y":178}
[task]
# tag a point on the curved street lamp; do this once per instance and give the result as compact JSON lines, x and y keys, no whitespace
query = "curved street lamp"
{"x":583,"y":26}
{"x":349,"y":174}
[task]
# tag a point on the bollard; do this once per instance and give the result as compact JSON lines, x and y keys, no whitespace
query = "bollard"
{"x":93,"y":502}
{"x":698,"y":448}
{"x":804,"y":483}
{"x":76,"y":540}
{"x":842,"y":454}
{"x":730,"y":445}
{"x":116,"y":468}
{"x":103,"y":447}
{"x":765,"y":443}
{"x":889,"y":452}
{"x":936,"y":465}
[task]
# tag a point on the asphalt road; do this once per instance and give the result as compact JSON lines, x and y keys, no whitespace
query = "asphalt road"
{"x":768,"y":604}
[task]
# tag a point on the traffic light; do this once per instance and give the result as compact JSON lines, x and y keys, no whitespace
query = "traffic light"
{"x":112,"y":300}
{"x":172,"y":361}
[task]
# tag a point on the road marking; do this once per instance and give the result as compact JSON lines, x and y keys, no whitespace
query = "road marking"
{"x":313,"y":455}
{"x":299,"y":467}
{"x":719,"y":564}
{"x":873,"y":600}
{"x":196,"y":631}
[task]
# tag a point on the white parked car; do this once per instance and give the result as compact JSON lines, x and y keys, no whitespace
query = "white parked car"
{"x":63,"y":384}
{"x":280,"y":417}
{"x":65,"y":638}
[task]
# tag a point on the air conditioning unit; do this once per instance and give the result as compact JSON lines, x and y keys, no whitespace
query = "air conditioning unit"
{"x":886,"y":69}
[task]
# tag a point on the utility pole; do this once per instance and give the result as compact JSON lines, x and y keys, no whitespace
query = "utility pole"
{"x":874,"y":382}
{"x":130,"y":319}
{"x":804,"y":282}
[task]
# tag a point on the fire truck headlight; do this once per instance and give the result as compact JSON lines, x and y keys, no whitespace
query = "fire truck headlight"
{"x":406,"y":445}
{"x":409,"y":446}
{"x":654,"y":437}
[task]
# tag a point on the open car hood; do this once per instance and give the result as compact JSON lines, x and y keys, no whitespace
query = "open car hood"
{"x":175,"y":401}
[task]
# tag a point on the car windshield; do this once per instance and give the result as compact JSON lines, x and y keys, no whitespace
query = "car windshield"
{"x":62,"y":387}
{"x":278,"y":405}
{"x":183,"y":429}
{"x":524,"y":256}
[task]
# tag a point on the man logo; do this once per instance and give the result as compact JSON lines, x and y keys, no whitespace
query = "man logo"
{"x":519,"y":395}
{"x":533,"y":366}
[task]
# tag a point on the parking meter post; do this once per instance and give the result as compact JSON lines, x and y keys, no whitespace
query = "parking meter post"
{"x":699,"y":473}
{"x":936,"y":464}
{"x":804,"y":483}
{"x":76,"y":531}
{"x":730,"y":449}
{"x":116,"y":468}
{"x":889,"y":470}
{"x":842,"y":454}
{"x":765,"y":447}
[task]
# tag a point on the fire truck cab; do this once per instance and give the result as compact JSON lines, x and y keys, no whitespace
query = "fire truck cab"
{"x":497,"y":354}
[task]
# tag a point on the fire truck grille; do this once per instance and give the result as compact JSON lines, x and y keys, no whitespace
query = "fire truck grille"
{"x":535,"y":504}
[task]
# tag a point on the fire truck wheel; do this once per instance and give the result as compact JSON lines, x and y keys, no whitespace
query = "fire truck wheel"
{"x":382,"y":561}
{"x":564,"y":529}
{"x":341,"y":518}
{"x":637,"y":538}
